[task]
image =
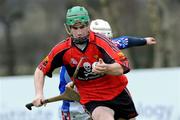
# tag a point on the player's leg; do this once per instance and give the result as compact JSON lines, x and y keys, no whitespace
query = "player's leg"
{"x":102,"y":113}
{"x":66,"y":115}
{"x":125,"y":108}
{"x":121,"y":106}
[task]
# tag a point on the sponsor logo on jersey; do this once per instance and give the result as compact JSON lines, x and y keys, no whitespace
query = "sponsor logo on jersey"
{"x":121,"y":55}
{"x":96,"y":57}
{"x":73,"y":61}
{"x":45,"y":61}
{"x":87,"y":73}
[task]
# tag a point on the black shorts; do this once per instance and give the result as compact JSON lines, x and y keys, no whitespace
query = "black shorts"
{"x":122,"y":105}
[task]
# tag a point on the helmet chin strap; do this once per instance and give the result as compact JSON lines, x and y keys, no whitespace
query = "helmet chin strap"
{"x":80,"y":40}
{"x":67,"y":30}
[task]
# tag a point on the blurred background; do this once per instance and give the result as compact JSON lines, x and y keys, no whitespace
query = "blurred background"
{"x":30,"y":28}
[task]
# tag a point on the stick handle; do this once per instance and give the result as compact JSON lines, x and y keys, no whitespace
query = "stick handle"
{"x":29,"y":106}
{"x":69,"y":94}
{"x":76,"y":71}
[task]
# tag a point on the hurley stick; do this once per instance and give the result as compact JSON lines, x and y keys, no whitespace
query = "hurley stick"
{"x":69,"y":93}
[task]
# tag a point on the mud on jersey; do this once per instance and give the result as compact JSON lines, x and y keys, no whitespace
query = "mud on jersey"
{"x":90,"y":86}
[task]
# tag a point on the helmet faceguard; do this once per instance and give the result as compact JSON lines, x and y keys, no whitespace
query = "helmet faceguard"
{"x":80,"y":40}
{"x":102,"y":27}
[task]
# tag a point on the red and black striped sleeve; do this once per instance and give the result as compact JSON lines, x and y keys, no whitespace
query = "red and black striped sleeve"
{"x":54,"y":59}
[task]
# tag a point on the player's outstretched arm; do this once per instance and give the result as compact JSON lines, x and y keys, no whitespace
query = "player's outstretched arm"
{"x":129,"y":41}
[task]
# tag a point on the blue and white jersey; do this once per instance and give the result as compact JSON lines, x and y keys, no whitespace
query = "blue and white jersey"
{"x":70,"y":110}
{"x":64,"y":79}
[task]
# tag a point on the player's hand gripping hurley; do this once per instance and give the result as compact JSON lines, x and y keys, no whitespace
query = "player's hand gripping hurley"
{"x":69,"y":93}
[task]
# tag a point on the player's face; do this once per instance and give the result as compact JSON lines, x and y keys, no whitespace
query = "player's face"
{"x":79,"y":30}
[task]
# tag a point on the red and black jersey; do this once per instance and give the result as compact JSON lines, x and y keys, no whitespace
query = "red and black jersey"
{"x":91,"y":86}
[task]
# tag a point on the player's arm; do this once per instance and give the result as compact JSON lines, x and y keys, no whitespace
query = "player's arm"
{"x":128,"y":41}
{"x":113,"y":60}
{"x":38,"y":83}
{"x":45,"y":67}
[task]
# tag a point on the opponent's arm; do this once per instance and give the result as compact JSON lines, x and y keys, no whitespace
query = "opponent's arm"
{"x":128,"y":41}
